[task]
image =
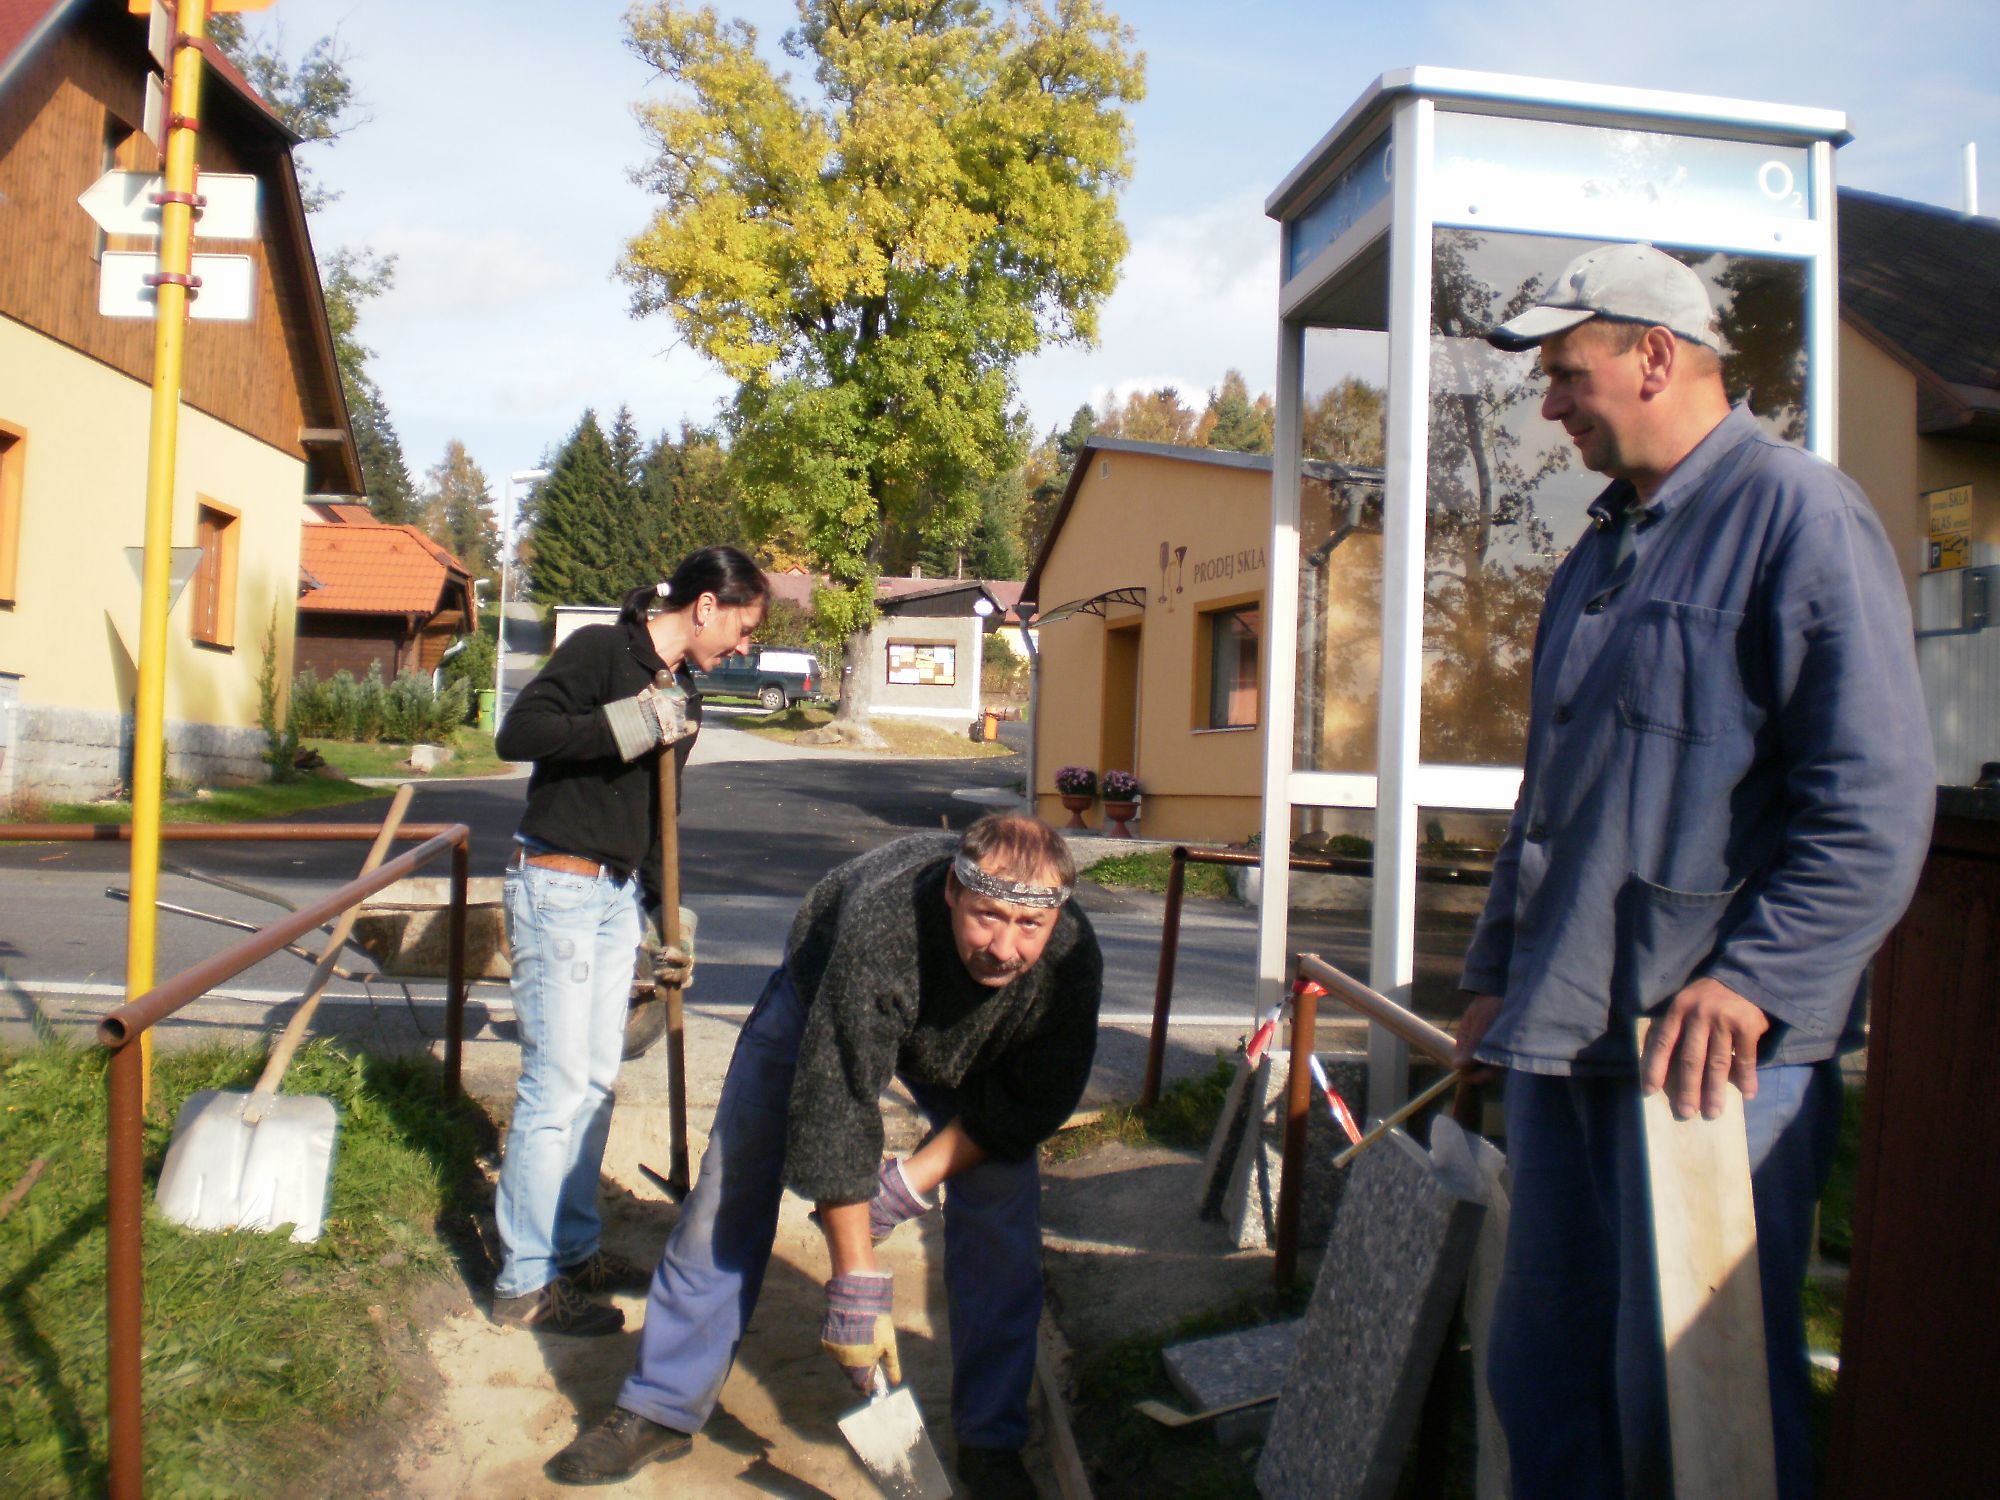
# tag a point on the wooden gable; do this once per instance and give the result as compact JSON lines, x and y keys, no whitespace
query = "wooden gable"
{"x":69,"y":110}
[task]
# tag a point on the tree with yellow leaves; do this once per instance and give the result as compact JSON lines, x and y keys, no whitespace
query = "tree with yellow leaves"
{"x":870,"y":259}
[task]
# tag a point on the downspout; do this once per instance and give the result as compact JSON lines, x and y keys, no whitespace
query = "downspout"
{"x":1034,"y":706}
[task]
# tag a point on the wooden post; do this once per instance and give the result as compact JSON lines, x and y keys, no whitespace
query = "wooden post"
{"x":1163,"y":988}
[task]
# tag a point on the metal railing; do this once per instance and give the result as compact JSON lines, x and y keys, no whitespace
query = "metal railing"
{"x":119,"y":1033}
{"x":1170,"y":932}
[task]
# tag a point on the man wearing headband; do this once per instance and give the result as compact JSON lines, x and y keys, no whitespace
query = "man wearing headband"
{"x":961,"y":967}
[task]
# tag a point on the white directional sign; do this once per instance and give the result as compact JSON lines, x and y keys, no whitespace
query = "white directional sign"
{"x":228,"y":286}
{"x":121,"y":202}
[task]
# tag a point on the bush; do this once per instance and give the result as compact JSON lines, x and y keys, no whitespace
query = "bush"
{"x":281,"y":742}
{"x":474,"y":664}
{"x":407,"y":711}
{"x":1003,"y":674}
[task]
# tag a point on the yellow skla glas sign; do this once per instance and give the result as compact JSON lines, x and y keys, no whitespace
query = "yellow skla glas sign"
{"x":1950,"y":513}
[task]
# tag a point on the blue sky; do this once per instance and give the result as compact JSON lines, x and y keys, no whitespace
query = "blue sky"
{"x":494,"y":168}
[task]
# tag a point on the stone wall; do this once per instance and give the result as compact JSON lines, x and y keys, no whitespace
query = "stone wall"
{"x":77,"y":754}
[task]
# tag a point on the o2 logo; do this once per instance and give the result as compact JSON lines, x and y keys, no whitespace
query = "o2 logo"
{"x":1775,"y":181}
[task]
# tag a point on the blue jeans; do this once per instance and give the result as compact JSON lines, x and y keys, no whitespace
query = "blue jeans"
{"x":1576,"y":1368}
{"x":713,"y":1267}
{"x":572,"y":938}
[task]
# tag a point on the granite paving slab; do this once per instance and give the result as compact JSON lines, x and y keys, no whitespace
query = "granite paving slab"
{"x":1395,"y":1264}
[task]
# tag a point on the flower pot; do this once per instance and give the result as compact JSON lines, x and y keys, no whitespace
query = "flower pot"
{"x":1077,"y":807}
{"x":1115,"y":814}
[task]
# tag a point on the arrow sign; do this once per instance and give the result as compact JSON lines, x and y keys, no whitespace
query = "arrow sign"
{"x":121,"y":202}
{"x":227,"y":294}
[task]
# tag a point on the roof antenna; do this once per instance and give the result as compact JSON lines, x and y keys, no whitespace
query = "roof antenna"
{"x":1969,"y":183}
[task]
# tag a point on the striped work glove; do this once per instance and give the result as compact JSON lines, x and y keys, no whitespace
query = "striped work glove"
{"x":859,"y":1331}
{"x":652,"y":717}
{"x":894,"y":1201}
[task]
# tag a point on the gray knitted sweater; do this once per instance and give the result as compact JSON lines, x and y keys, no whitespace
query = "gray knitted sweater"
{"x":871,"y":955}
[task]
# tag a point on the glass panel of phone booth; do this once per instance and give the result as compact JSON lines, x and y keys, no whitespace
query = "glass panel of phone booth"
{"x":1330,"y":914}
{"x":1343,"y":415}
{"x":1506,"y":494}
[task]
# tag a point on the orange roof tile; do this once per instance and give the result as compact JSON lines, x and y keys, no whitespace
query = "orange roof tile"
{"x":375,"y":569}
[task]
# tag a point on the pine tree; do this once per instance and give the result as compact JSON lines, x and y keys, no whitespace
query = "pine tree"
{"x":685,"y":499}
{"x":457,"y":495}
{"x":1235,"y":422}
{"x":385,"y":475}
{"x":584,"y":550}
{"x":627,"y":451}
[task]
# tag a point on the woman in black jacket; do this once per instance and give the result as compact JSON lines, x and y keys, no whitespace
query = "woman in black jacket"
{"x":595,"y":721}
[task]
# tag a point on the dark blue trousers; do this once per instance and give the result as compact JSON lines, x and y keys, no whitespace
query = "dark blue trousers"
{"x":1575,"y":1367}
{"x":713,"y":1267}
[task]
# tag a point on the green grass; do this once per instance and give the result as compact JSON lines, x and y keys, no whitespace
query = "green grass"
{"x":1183,"y":1118}
{"x":1134,"y":1457}
{"x":229,"y":804}
{"x":472,"y":756}
{"x":902,"y":736}
{"x":261,"y":1357}
{"x":1147,"y":870}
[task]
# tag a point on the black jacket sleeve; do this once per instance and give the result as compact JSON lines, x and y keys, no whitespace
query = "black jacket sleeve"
{"x":559,"y":715}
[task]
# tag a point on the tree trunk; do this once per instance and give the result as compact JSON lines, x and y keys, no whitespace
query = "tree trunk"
{"x":850,"y":726}
{"x":857,"y":682}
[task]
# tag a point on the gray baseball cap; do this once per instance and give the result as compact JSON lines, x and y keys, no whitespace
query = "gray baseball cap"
{"x":1628,"y":283}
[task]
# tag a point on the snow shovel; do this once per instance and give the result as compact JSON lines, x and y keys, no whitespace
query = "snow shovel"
{"x":887,"y":1434}
{"x":256,"y":1161}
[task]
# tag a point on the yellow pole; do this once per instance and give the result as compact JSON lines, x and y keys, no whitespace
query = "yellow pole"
{"x":169,"y":340}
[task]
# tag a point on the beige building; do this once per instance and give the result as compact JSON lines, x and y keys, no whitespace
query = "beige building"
{"x":1150,"y":592}
{"x":262,"y":423}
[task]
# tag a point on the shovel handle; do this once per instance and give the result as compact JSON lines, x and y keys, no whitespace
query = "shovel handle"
{"x":679,"y":1172}
{"x":295,"y":1029}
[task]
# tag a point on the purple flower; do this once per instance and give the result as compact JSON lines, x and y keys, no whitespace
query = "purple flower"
{"x":1076,"y":781}
{"x":1120,"y":786}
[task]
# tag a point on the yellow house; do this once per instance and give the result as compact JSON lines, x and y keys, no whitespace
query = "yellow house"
{"x":262,"y":421}
{"x":1149,"y":593}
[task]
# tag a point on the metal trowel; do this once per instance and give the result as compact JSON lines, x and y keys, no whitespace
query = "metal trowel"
{"x":887,"y":1434}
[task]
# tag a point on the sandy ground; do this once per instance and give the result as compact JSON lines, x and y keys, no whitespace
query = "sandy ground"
{"x":510,"y":1399}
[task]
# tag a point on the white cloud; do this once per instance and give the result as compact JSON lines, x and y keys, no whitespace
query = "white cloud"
{"x":1197,"y":298}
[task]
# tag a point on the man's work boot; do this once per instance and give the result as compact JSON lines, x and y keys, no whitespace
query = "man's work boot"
{"x":615,"y":1447}
{"x":608,"y":1271}
{"x":557,"y":1308}
{"x":995,"y":1474}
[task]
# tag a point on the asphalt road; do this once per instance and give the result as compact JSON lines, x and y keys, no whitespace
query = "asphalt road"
{"x":755,"y":835}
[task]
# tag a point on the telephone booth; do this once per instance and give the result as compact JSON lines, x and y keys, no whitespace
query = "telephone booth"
{"x":1402,"y":611}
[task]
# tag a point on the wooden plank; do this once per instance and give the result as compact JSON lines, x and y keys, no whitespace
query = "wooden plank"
{"x":1072,"y":1478}
{"x":1711,"y":1303}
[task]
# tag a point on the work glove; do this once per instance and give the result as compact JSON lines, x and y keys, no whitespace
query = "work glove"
{"x":894,"y":1201}
{"x":859,"y":1332}
{"x":652,"y":717}
{"x":660,"y":964}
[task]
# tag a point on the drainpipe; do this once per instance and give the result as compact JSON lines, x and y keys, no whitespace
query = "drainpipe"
{"x":1034,"y":705}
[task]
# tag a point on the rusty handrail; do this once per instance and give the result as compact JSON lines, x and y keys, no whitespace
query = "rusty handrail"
{"x":122,"y":1028}
{"x":1380,"y":1010}
{"x":217,"y":833}
{"x":1170,"y":934}
{"x":1298,"y":1105}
